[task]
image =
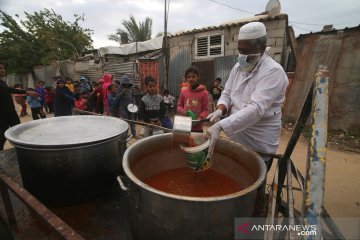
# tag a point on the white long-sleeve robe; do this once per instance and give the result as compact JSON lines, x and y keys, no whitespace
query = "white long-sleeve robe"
{"x":254,"y":101}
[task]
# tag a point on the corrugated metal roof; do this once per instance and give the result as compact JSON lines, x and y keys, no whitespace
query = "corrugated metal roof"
{"x":260,"y":18}
{"x":331,"y":32}
{"x":134,"y":47}
{"x":92,"y":74}
{"x":118,"y":70}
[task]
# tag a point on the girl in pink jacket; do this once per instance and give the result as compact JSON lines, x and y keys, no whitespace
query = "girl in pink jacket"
{"x":107,"y":81}
{"x":194,"y":99}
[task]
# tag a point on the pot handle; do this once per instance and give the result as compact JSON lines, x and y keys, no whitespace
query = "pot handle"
{"x":122,"y":185}
{"x":134,"y":194}
{"x":128,"y":138}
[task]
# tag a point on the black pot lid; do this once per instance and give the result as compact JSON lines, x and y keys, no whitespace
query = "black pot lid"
{"x":66,"y":131}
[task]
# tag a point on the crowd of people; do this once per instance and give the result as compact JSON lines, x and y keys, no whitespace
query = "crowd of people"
{"x":104,"y":96}
{"x":110,"y":97}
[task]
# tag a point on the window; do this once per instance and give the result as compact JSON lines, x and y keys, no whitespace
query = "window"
{"x":209,"y":45}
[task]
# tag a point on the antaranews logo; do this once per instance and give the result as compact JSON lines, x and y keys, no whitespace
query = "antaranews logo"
{"x":244,"y":228}
{"x":254,"y":228}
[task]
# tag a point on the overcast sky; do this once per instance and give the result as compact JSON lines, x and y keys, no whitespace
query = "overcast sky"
{"x":105,"y":16}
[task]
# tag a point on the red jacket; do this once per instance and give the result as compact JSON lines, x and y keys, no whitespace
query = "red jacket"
{"x":49,"y":96}
{"x":195,"y":100}
{"x":80,"y":104}
{"x":107,"y":81}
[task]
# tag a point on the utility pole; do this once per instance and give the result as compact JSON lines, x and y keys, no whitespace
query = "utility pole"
{"x":165,"y":51}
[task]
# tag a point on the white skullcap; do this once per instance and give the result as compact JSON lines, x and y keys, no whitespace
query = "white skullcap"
{"x":252,"y":30}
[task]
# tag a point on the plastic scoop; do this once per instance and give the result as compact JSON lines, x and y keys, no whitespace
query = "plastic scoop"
{"x":196,"y":152}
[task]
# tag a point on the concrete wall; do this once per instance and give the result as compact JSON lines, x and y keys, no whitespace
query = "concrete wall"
{"x":277,"y":40}
{"x":340,"y":51}
{"x":182,"y":51}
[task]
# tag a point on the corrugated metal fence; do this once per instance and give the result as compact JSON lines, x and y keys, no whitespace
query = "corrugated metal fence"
{"x":223,"y":66}
{"x":127,"y":68}
{"x":178,"y":64}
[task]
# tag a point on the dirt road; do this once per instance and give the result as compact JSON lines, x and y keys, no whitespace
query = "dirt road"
{"x":342,"y":177}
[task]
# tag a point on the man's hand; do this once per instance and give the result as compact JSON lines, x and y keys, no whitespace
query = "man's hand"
{"x":215,"y":116}
{"x":32,"y":93}
{"x":213,"y":133}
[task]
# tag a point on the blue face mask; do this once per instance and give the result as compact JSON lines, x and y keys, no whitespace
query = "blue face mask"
{"x":245,"y":65}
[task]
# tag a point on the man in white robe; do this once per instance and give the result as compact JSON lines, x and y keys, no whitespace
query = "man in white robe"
{"x":252,"y":96}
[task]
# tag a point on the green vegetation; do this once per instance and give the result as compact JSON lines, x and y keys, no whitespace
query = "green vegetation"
{"x":43,"y":37}
{"x":133,"y":32}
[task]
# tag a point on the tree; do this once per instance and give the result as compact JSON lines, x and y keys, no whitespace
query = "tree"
{"x":41,"y":38}
{"x":133,"y":32}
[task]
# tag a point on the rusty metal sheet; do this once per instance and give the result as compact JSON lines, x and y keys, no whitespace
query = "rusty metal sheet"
{"x":340,"y":51}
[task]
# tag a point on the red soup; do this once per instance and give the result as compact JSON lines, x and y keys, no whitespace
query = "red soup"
{"x":183,"y":181}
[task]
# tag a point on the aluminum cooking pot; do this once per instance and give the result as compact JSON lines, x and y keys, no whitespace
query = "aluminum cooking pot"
{"x":155,"y":214}
{"x":72,"y":159}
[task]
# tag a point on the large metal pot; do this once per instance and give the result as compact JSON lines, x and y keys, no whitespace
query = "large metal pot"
{"x":67,"y":160}
{"x":160,"y":215}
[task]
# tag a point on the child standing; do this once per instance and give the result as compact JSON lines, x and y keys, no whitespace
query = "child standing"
{"x":35,"y":105}
{"x":80,"y":102}
{"x":183,"y":84}
{"x":124,"y":96}
{"x":40,"y":90}
{"x":69,"y":84}
{"x":194,"y":100}
{"x":49,"y":99}
{"x":112,"y":100}
{"x":168,"y":100}
{"x":152,"y":107}
{"x":216,"y":91}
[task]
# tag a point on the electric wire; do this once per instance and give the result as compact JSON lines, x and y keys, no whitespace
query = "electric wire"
{"x":226,"y":5}
{"x":332,"y":15}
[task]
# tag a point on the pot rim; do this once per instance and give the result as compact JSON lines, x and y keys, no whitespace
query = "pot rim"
{"x":74,"y":139}
{"x":68,"y":147}
{"x":141,"y":184}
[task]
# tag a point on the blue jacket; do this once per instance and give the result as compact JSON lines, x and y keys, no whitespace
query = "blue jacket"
{"x":112,"y":100}
{"x":124,"y":96}
{"x":34,"y":102}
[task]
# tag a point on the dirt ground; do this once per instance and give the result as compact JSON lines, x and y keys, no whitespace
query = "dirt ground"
{"x":342,"y":191}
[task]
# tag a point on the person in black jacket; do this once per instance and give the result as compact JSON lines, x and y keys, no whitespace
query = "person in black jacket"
{"x":64,"y":100}
{"x":8,"y":114}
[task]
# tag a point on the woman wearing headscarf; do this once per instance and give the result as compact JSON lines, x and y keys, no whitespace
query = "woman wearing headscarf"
{"x":64,"y":100}
{"x":107,"y":81}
